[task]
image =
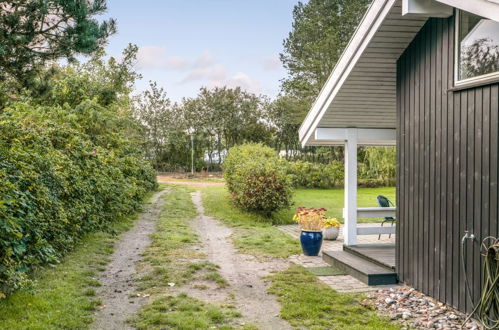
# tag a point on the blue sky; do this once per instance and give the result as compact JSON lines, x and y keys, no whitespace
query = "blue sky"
{"x":187,"y":44}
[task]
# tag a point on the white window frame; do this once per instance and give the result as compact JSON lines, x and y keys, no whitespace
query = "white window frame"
{"x":485,"y":78}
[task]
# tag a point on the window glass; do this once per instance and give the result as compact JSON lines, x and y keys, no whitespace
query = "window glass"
{"x":478,"y":46}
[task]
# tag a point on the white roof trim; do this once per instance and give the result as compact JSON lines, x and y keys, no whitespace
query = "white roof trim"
{"x":485,"y":8}
{"x":363,"y":35}
{"x":366,"y":30}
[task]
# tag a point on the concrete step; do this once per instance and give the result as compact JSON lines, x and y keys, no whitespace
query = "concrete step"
{"x":360,"y":268}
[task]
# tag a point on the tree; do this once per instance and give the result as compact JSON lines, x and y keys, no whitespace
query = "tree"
{"x":479,"y":58}
{"x":33,"y":32}
{"x":154,"y":111}
{"x":286,"y":114}
{"x":108,"y":81}
{"x":227,"y":117}
{"x":321,"y":30}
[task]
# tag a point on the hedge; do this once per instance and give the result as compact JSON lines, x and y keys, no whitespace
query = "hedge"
{"x":65,"y":171}
{"x":313,"y":175}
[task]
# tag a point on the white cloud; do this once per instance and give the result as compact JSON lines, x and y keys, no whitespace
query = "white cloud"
{"x":156,"y":57}
{"x":271,"y":63}
{"x":206,"y":59}
{"x":213,"y":71}
{"x":205,"y":68}
{"x":240,"y":79}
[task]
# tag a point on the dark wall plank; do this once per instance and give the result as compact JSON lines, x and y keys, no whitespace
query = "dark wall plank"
{"x":447,"y":167}
{"x":494,"y":146}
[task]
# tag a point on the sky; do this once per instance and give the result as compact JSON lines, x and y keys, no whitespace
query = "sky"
{"x":187,"y":44}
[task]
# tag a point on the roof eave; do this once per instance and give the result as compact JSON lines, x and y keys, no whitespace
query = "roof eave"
{"x":371,"y":21}
{"x":485,"y":8}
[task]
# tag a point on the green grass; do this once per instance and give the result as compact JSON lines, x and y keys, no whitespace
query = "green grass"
{"x":184,"y":312}
{"x":325,"y":271}
{"x":63,"y":295}
{"x":172,"y":259}
{"x":253,"y":234}
{"x":169,"y":258}
{"x":332,"y":200}
{"x":308,"y":303}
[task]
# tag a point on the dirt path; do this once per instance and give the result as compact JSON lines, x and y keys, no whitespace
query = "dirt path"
{"x":190,"y":182}
{"x":117,"y":279}
{"x":243,"y":272}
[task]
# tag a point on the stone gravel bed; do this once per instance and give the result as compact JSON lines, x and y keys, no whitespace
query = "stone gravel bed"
{"x":416,"y":310}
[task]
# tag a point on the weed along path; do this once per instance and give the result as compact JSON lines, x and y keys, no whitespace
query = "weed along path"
{"x":118,"y":278}
{"x":244,"y":273}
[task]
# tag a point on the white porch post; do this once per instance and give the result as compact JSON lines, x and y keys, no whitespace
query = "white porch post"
{"x":350,"y":211}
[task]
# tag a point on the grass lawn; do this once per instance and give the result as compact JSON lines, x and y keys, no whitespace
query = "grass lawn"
{"x":308,"y":303}
{"x":253,"y":234}
{"x":332,"y":200}
{"x":63,"y":295}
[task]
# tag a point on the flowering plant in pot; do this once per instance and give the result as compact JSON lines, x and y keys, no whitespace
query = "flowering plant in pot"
{"x":331,"y":229}
{"x":311,"y":222}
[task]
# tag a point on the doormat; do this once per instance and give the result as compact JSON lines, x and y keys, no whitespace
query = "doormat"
{"x":325,"y":271}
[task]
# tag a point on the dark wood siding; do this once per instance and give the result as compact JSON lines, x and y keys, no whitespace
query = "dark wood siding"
{"x":447,"y":168}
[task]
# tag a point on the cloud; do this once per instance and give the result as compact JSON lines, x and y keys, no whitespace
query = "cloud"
{"x":239,"y":79}
{"x":206,"y":59}
{"x":205,"y":68}
{"x":156,"y":57}
{"x":271,"y":63}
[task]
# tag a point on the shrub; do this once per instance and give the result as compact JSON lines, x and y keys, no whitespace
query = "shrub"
{"x":315,"y":175}
{"x":377,"y":167}
{"x":64,"y":171}
{"x":257,"y":179}
{"x":312,"y":175}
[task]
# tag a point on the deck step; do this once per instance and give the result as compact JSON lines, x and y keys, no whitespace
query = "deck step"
{"x":360,"y":268}
{"x":380,"y":254}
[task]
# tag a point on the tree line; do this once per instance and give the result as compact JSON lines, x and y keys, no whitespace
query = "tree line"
{"x":220,"y":118}
{"x":35,"y":35}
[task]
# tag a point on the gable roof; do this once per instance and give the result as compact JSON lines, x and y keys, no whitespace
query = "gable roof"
{"x":361,"y":90}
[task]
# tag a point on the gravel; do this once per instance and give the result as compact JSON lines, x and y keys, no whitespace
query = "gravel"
{"x":416,"y":310}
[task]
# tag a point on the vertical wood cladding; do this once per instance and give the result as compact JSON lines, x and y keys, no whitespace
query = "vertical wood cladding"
{"x":447,"y":168}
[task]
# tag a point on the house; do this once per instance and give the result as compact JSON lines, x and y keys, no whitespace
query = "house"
{"x":422,"y":75}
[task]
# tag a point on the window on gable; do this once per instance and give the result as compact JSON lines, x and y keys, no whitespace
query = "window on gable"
{"x":478,"y":47}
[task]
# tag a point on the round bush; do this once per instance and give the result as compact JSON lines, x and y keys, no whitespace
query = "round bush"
{"x":256,"y":178}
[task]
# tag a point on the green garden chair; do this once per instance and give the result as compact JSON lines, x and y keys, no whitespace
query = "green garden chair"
{"x":385,"y":202}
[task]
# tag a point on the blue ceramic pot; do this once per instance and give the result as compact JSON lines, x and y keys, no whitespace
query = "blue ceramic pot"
{"x":311,"y":242}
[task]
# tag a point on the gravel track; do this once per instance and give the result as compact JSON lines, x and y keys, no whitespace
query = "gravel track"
{"x":118,"y":278}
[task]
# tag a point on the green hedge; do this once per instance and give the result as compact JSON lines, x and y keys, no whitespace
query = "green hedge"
{"x":313,"y":175}
{"x":257,"y":178}
{"x":65,"y":171}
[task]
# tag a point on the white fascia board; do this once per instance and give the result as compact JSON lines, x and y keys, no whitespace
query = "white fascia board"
{"x":485,"y":8}
{"x":365,"y":136}
{"x":427,"y":8}
{"x":364,"y":33}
